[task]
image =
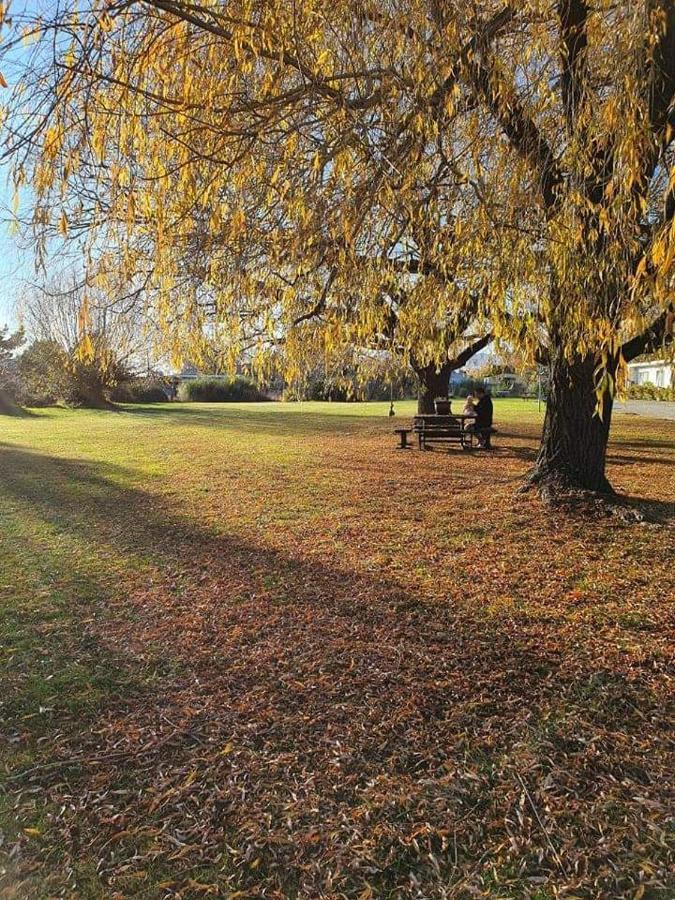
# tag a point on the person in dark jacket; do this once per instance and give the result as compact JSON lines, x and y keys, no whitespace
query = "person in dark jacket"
{"x":484,"y":413}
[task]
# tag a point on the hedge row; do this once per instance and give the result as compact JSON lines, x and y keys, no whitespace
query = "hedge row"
{"x":649,"y":391}
{"x":235,"y":389}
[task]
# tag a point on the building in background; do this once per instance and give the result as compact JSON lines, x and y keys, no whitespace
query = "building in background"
{"x":658,"y":372}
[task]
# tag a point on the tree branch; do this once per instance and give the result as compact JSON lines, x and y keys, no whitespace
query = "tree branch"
{"x":522,"y":132}
{"x":659,"y":334}
{"x":473,"y":348}
{"x":208,"y":21}
{"x":661,"y":67}
{"x":573,"y":15}
{"x":481,"y":39}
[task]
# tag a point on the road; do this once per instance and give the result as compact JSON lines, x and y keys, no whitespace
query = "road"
{"x":653,"y":409}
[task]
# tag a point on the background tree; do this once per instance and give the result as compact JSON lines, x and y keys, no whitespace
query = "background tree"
{"x":9,"y":343}
{"x":84,"y":343}
{"x":321,"y":224}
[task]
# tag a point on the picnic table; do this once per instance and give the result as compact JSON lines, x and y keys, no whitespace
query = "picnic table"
{"x":432,"y":428}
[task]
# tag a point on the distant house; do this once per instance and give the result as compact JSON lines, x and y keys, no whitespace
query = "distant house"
{"x":189,"y":372}
{"x":655,"y":371}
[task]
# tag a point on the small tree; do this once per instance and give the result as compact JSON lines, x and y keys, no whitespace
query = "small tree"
{"x":93,"y":371}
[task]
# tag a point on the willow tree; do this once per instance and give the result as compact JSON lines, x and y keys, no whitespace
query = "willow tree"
{"x":261,"y":194}
{"x":348,"y":172}
{"x":583,"y":96}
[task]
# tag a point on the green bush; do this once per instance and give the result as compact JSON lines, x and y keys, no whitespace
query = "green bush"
{"x":236,"y":389}
{"x":43,"y":374}
{"x":140,"y":390}
{"x":649,"y":391}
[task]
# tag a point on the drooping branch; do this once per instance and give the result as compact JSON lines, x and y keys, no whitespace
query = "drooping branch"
{"x":659,"y":82}
{"x":320,"y":304}
{"x":484,"y":36}
{"x":209,"y":21}
{"x":662,"y":96}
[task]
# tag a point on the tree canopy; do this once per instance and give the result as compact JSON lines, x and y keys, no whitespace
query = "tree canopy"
{"x":249,"y":195}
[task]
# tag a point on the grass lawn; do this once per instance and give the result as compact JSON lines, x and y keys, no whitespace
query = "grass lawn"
{"x":255,"y":651}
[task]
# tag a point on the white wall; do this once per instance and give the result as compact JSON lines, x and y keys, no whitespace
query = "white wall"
{"x":658,"y":373}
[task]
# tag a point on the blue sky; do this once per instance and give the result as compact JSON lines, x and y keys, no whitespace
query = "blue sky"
{"x":15,"y":265}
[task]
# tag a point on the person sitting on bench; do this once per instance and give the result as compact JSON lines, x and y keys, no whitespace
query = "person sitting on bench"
{"x":469,"y":410}
{"x":483,"y":424}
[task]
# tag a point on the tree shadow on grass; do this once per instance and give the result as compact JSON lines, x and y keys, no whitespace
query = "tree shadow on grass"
{"x":232,"y":417}
{"x":659,"y":511}
{"x":643,"y":444}
{"x":12,"y":411}
{"x":526,"y":453}
{"x":312,"y":711}
{"x":622,"y":459}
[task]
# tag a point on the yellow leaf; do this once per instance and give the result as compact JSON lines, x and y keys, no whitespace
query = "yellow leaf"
{"x":3,"y":83}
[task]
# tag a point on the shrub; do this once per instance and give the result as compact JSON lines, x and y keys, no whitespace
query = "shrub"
{"x":235,"y":389}
{"x":46,"y":374}
{"x":43,"y":374}
{"x":93,"y":372}
{"x":140,"y":390}
{"x":649,"y":391}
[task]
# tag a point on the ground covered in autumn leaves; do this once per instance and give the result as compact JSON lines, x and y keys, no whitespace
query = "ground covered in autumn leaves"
{"x":254,"y":651}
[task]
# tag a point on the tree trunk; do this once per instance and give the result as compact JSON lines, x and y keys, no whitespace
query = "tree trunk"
{"x":433,"y":384}
{"x":574,"y":442}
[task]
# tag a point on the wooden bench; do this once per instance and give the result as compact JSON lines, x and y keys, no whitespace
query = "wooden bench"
{"x":403,"y":437}
{"x":434,"y":429}
{"x":450,"y":429}
{"x":440,"y":429}
{"x":442,"y":433}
